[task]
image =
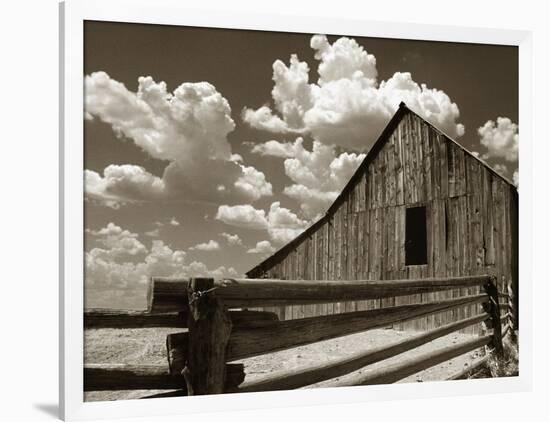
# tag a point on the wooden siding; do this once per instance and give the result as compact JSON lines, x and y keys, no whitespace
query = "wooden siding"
{"x":471,"y":224}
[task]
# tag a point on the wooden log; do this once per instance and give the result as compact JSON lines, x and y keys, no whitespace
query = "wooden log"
{"x":101,"y":377}
{"x":505,"y":330}
{"x":249,"y":293}
{"x":484,"y":329}
{"x":245,"y":291}
{"x":504,"y":318}
{"x":246,"y":343}
{"x":104,"y":377}
{"x":252,"y":319}
{"x":177,"y":350}
{"x":494,"y":312}
{"x":296,"y":378}
{"x":209,"y":330}
{"x":102,"y":318}
{"x":463,"y":373}
{"x":393,"y":373}
{"x":512,"y":306}
{"x":167,"y":295}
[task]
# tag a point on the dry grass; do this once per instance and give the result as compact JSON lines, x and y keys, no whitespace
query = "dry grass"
{"x":130,"y":346}
{"x":506,"y":365}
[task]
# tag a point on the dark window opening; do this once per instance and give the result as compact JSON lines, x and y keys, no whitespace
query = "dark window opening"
{"x":416,"y":246}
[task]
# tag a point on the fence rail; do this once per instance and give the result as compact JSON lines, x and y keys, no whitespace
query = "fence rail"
{"x":105,"y":377}
{"x":99,"y":318}
{"x":219,"y":331}
{"x":296,"y":378}
{"x":393,"y":373}
{"x":167,"y":295}
{"x":292,"y":333}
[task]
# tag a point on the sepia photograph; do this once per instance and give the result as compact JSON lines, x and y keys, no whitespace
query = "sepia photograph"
{"x":272,"y":211}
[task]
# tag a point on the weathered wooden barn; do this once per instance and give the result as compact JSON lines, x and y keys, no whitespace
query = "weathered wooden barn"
{"x":419,"y":206}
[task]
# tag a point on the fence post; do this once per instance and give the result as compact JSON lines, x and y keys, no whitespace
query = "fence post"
{"x":493,"y":309}
{"x":512,"y":309}
{"x":209,"y":330}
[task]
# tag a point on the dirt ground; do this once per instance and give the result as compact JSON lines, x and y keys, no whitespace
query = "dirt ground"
{"x":147,"y":346}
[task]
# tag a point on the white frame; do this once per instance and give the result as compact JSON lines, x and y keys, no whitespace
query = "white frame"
{"x":72,"y":15}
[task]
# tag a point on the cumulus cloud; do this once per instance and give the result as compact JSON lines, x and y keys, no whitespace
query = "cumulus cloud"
{"x":187,"y":128}
{"x":123,"y":261}
{"x":281,"y":224}
{"x":501,"y":142}
{"x":318,"y":175}
{"x":345,"y":59}
{"x":209,"y":246}
{"x":174,"y":222}
{"x":222,"y":272}
{"x":232,"y":239}
{"x":262,"y":247}
{"x":313,"y":202}
{"x":501,"y":138}
{"x":193,"y":120}
{"x":277,"y":149}
{"x":105,"y":266}
{"x":245,"y":216}
{"x":253,"y":183}
{"x":346,"y":106}
{"x":120,"y":184}
{"x":264,"y":119}
{"x":116,"y":241}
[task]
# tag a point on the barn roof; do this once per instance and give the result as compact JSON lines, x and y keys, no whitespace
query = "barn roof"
{"x":380,"y":142}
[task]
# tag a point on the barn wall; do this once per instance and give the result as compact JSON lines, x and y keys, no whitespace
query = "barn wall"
{"x":471,"y":225}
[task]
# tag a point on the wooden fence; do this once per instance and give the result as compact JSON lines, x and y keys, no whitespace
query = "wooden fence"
{"x":221,"y":330}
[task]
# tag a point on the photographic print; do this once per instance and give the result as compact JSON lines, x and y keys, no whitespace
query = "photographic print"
{"x":269,"y":211}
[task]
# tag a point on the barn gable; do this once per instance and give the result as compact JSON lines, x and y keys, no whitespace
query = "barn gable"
{"x":411,"y":163}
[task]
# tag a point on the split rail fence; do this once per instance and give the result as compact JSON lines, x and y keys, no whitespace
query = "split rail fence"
{"x":222,"y":330}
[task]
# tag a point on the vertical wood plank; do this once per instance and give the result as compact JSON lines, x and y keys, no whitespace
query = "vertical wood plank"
{"x":444,"y":166}
{"x":399,"y":194}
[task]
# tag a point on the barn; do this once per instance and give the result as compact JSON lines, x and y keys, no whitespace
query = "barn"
{"x":419,"y":206}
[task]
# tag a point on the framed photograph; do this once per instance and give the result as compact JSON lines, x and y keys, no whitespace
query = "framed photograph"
{"x":264,"y":211}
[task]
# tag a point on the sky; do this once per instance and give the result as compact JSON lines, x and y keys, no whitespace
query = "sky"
{"x":208,"y":149}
